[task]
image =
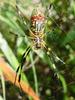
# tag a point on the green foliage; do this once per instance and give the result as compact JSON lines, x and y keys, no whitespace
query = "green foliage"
{"x":60,"y":36}
{"x":70,"y":37}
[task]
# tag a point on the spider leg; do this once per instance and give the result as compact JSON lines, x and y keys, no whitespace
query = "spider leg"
{"x":52,"y":57}
{"x":22,"y":16}
{"x":49,"y":15}
{"x":57,"y":58}
{"x":57,"y":73}
{"x":53,"y":54}
{"x":23,"y":59}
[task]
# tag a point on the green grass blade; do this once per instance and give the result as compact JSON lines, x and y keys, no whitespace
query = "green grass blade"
{"x":8,"y":52}
{"x":3,"y":85}
{"x":9,"y":55}
{"x":34,"y":73}
{"x":16,"y":29}
{"x":1,"y":98}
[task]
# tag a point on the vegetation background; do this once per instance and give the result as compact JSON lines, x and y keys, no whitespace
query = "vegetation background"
{"x":60,"y":30}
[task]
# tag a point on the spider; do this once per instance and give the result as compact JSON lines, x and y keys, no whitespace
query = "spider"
{"x":37,"y":37}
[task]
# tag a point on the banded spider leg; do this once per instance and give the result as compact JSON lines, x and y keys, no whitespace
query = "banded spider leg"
{"x":20,"y":67}
{"x":54,"y":58}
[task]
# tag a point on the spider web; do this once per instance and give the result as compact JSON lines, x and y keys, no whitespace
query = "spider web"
{"x":50,"y":8}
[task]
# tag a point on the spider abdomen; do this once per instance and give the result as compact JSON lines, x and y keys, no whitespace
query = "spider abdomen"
{"x":37,"y":28}
{"x":37,"y":22}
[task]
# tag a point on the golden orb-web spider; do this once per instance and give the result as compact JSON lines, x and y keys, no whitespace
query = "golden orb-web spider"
{"x":37,"y":36}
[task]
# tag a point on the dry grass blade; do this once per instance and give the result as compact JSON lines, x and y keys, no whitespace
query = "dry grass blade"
{"x":10,"y":76}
